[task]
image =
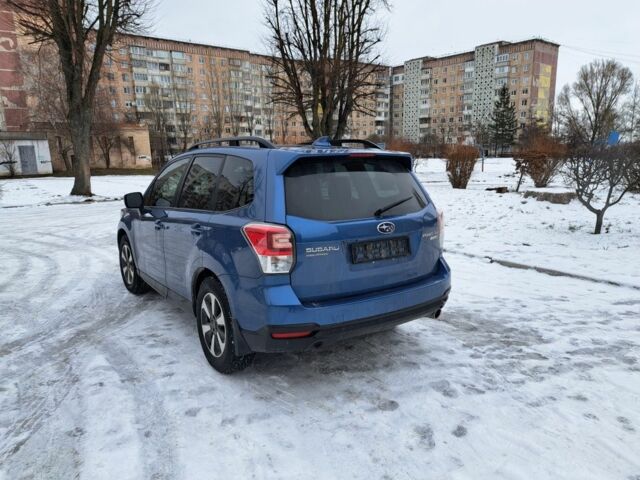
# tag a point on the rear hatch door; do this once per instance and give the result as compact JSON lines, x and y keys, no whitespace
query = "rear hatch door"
{"x":362,"y":224}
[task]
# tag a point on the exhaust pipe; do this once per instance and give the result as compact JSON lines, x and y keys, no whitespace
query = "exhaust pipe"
{"x":437,"y":314}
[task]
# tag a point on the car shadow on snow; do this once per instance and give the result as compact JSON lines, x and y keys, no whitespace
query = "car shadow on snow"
{"x":387,"y":350}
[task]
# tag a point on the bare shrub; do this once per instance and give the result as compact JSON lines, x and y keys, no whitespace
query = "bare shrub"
{"x":8,"y":157}
{"x":541,"y":159}
{"x":461,"y":159}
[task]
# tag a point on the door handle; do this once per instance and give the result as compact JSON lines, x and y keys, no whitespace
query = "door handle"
{"x":196,"y":229}
{"x":159,"y":225}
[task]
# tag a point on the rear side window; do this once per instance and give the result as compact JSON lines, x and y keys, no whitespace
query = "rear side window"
{"x":235,"y":185}
{"x":348,"y":188}
{"x":165,"y":187}
{"x":200,"y":184}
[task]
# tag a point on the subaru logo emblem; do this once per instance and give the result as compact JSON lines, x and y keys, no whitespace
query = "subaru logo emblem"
{"x":386,"y":228}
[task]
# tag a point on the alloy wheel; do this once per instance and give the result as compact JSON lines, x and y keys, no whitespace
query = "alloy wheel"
{"x":127,"y":265}
{"x":214,"y":329}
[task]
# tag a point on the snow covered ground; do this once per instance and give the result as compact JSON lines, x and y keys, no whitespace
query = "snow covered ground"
{"x":524,"y":376}
{"x":55,"y":190}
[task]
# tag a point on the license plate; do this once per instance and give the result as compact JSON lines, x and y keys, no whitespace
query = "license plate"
{"x":363,"y":252}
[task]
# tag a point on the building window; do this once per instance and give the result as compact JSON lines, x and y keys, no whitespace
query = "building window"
{"x":525,"y":91}
{"x":526,"y":55}
{"x":524,"y":102}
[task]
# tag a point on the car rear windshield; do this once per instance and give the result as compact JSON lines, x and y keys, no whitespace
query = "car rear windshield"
{"x":346,"y":188}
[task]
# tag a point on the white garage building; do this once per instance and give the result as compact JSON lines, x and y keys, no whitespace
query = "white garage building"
{"x":24,"y":153}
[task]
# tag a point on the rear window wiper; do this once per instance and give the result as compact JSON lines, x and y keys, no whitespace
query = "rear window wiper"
{"x":380,"y":211}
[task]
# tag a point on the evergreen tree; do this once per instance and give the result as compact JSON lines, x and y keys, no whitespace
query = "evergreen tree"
{"x":503,"y":124}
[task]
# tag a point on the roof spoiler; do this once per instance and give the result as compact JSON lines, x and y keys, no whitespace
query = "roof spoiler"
{"x":326,"y":142}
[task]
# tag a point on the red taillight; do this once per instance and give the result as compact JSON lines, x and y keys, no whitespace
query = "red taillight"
{"x":289,"y":335}
{"x":362,"y":155}
{"x":272,"y":244}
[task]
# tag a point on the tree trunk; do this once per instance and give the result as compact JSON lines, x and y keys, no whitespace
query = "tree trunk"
{"x":67,"y":161}
{"x":599,"y":221}
{"x":519,"y":180}
{"x":80,"y":122}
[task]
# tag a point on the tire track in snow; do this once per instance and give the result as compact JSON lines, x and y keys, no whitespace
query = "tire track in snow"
{"x":23,"y":265}
{"x":51,"y":270}
{"x":156,"y":434}
{"x":39,"y":384}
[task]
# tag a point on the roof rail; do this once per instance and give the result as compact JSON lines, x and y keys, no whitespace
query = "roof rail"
{"x":232,"y":141}
{"x":328,"y":142}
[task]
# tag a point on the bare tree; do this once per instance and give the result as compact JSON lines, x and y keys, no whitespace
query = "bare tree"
{"x":105,"y":129}
{"x":634,"y":173}
{"x":281,"y":119}
{"x":183,"y":107}
{"x":157,"y":113}
{"x":590,"y":108}
{"x":233,"y":99}
{"x":81,"y":30}
{"x":324,"y":59}
{"x":601,"y":176}
{"x":44,"y":83}
{"x":481,"y":134}
{"x":8,"y":156}
{"x":268,"y":107}
{"x":632,"y":114}
{"x":214,"y":101}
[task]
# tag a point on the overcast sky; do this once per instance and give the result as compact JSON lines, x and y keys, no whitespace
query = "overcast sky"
{"x":585,"y":29}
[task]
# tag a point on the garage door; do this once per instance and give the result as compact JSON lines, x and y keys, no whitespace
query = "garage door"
{"x":28,"y":160}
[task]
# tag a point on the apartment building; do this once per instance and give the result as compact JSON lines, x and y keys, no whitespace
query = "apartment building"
{"x":182,"y":92}
{"x":200,"y":91}
{"x":446,"y":96}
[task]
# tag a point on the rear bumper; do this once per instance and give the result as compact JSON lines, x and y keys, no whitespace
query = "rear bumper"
{"x":321,"y":335}
{"x":260,"y":311}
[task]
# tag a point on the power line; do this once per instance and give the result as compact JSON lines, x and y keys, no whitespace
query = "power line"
{"x":623,"y":57}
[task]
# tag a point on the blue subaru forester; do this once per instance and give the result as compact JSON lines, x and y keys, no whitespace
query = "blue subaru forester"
{"x":280,"y":249}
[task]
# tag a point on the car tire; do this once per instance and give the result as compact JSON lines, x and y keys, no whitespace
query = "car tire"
{"x":215,"y":329}
{"x":132,"y":280}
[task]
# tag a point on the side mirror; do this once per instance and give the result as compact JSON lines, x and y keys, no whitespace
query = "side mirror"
{"x":133,"y":200}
